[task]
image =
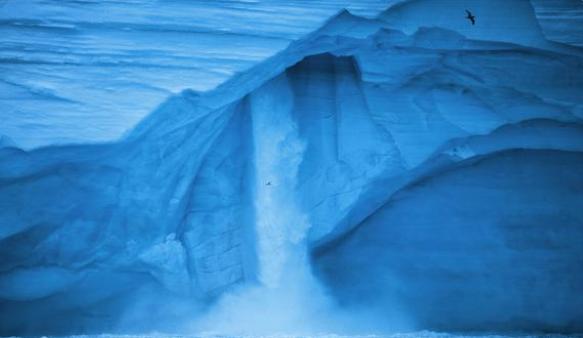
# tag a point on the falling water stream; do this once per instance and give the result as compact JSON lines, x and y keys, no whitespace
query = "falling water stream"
{"x":281,"y":226}
{"x":287,"y":298}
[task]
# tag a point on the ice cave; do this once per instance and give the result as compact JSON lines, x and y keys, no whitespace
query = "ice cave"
{"x":264,"y":168}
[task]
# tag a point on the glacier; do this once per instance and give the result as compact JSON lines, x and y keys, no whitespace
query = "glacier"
{"x":404,"y":171}
{"x":87,"y":71}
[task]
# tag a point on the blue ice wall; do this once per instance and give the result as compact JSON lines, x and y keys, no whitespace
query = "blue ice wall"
{"x":436,"y":172}
{"x":88,"y":71}
{"x":492,"y":243}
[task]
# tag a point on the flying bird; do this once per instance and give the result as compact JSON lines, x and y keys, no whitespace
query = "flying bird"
{"x":471,"y":17}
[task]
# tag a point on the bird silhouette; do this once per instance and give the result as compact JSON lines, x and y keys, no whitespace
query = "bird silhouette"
{"x":471,"y":17}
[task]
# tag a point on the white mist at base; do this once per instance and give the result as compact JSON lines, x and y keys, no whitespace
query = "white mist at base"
{"x":287,"y":298}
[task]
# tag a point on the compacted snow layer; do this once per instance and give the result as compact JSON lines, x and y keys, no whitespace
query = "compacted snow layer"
{"x":87,"y":71}
{"x":433,"y":180}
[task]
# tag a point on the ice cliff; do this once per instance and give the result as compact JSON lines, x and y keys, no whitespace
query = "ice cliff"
{"x":431,"y":169}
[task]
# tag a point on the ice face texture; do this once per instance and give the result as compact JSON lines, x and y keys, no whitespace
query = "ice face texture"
{"x":87,"y":71}
{"x":439,"y":172}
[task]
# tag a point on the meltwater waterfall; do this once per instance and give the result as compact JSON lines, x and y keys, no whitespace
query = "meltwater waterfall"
{"x":286,"y":297}
{"x":281,"y":225}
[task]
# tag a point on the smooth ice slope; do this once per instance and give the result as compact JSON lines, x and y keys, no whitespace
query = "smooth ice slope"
{"x":478,"y":245}
{"x":434,"y":179}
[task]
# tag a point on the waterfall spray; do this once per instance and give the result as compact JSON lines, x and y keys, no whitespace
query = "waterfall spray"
{"x":281,"y":226}
{"x":287,"y":299}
